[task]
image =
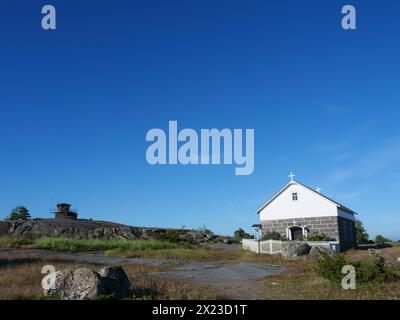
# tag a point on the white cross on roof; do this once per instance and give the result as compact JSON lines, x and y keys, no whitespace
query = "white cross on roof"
{"x":291,"y":176}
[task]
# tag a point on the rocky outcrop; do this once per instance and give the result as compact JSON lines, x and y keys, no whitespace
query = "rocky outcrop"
{"x":292,"y":250}
{"x":91,"y":229}
{"x":83,"y":283}
{"x":77,"y":229}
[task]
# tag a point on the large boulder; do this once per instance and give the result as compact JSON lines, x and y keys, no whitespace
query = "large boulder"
{"x":115,"y":281}
{"x":86,"y":284}
{"x":291,"y":250}
{"x":316,"y":251}
{"x":79,"y":284}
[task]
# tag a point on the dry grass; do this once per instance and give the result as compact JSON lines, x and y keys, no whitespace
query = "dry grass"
{"x":200,"y":254}
{"x":20,"y":276}
{"x":20,"y":279}
{"x":302,"y":283}
{"x":145,"y":286}
{"x":391,"y":253}
{"x":10,"y":242}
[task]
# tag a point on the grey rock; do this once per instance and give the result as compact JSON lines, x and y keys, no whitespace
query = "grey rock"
{"x":115,"y":281}
{"x":315,"y":251}
{"x":77,"y":229}
{"x":292,"y":250}
{"x":194,"y":237}
{"x":79,"y":284}
{"x":86,"y":284}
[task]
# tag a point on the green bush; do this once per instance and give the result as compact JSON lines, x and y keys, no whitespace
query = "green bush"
{"x":372,"y":270}
{"x":316,"y":237}
{"x":330,"y":268}
{"x":361,"y":234}
{"x":170,"y":236}
{"x":273,"y":236}
{"x":381,"y":239}
{"x":240,"y":233}
{"x":369,"y":271}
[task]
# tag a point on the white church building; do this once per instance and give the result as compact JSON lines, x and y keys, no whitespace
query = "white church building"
{"x":297,"y":210}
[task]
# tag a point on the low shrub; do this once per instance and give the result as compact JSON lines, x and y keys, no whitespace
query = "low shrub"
{"x":381,"y":239}
{"x":273,"y":235}
{"x":330,"y":268}
{"x":240,"y":233}
{"x":173,"y":235}
{"x":316,"y":237}
{"x":370,"y":270}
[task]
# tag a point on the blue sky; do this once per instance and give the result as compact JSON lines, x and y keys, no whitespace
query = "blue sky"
{"x":76,"y":104}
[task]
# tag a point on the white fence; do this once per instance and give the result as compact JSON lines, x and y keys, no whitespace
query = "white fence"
{"x":266,"y":246}
{"x":274,"y":246}
{"x":251,"y":245}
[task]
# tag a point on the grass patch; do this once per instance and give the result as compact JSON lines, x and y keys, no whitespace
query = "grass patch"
{"x":73,"y":245}
{"x":14,"y":242}
{"x":302,"y":283}
{"x":369,"y":271}
{"x":199,"y":254}
{"x":20,"y":279}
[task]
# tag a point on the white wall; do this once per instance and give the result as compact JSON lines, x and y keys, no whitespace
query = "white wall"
{"x":309,"y":204}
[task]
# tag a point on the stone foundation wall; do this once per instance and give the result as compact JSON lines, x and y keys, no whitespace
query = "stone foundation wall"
{"x":326,"y":225}
{"x":337,"y":228}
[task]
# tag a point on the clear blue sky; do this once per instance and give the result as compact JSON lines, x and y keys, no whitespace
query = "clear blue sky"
{"x":76,"y":104}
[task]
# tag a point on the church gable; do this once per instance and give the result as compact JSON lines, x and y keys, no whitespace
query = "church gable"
{"x":297,"y":201}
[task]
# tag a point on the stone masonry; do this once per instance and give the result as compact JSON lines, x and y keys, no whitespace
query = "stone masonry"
{"x":335,"y":227}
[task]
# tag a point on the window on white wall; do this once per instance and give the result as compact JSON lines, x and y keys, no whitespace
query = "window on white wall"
{"x":294,"y":196}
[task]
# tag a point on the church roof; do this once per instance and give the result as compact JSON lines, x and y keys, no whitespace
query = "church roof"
{"x":318,"y":193}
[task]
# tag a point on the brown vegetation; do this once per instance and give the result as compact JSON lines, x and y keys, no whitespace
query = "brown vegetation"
{"x":20,"y":278}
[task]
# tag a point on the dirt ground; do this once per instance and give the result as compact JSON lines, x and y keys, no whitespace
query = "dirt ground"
{"x":229,"y":280}
{"x":250,"y":277}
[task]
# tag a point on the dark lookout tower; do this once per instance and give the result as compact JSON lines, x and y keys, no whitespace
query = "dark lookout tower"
{"x":64,"y":212}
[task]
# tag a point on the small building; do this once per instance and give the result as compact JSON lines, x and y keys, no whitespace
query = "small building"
{"x":64,"y":212}
{"x":296,"y":211}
